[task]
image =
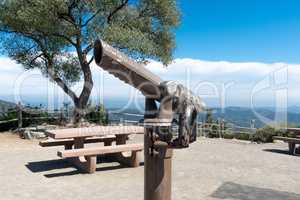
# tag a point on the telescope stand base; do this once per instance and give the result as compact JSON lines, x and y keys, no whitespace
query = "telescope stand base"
{"x":158,"y":169}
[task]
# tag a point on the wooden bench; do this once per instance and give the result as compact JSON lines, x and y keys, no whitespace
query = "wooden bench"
{"x":68,"y":143}
{"x":291,"y":142}
{"x":86,"y":159}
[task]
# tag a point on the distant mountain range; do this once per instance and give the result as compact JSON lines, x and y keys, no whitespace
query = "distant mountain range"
{"x":240,"y":116}
{"x":5,"y":106}
{"x":294,"y":109}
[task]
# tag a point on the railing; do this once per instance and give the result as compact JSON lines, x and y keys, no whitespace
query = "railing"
{"x":203,"y":129}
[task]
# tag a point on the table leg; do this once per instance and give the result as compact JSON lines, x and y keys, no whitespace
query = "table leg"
{"x":121,"y":139}
{"x":68,"y":146}
{"x":292,"y":148}
{"x":88,"y":163}
{"x":108,"y":142}
{"x":79,"y":143}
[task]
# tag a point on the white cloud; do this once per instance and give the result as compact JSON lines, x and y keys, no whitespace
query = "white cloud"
{"x":190,"y":72}
{"x":202,"y":67}
{"x":8,"y":65}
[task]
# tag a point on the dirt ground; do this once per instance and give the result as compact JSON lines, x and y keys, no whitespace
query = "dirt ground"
{"x":210,"y":169}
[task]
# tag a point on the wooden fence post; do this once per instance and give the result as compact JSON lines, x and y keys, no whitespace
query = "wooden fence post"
{"x":19,"y":115}
{"x":61,"y":116}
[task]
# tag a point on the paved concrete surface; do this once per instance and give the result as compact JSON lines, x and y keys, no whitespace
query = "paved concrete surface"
{"x":211,"y":169}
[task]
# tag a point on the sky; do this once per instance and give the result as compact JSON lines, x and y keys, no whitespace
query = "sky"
{"x":240,"y":30}
{"x":229,"y":52}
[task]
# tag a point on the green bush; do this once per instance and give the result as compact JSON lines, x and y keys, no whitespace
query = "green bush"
{"x":266,"y":134}
{"x":213,"y":131}
{"x":228,"y":136}
{"x":97,"y":114}
{"x":242,"y":136}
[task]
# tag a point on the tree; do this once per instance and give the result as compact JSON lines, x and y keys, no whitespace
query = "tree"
{"x":57,"y":36}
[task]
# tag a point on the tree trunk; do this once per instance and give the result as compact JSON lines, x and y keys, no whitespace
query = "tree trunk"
{"x":81,"y":105}
{"x":81,"y":102}
{"x":78,"y":113}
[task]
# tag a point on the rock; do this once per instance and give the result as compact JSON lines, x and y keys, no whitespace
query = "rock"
{"x":43,"y":128}
{"x":38,"y":134}
{"x":27,"y":135}
{"x":30,"y":133}
{"x":27,"y":129}
{"x":69,"y":125}
{"x":51,"y":127}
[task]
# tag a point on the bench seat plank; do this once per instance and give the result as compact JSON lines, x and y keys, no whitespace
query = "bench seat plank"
{"x":86,"y":159}
{"x":100,"y":150}
{"x":63,"y":142}
{"x":288,"y":139}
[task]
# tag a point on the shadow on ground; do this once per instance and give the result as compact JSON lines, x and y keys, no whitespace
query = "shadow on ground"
{"x":231,"y":190}
{"x":280,"y":151}
{"x":60,"y":164}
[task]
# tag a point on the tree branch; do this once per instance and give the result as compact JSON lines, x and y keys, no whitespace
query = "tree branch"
{"x":91,"y":18}
{"x":30,"y":35}
{"x":68,"y":17}
{"x":88,"y":49}
{"x":64,"y":37}
{"x":110,"y":16}
{"x":62,"y":84}
{"x":34,"y":59}
{"x":91,"y":60}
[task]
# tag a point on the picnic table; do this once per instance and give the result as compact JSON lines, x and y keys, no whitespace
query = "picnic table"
{"x":85,"y":158}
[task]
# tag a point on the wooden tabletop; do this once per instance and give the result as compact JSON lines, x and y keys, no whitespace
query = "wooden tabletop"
{"x":94,"y":131}
{"x":294,"y":130}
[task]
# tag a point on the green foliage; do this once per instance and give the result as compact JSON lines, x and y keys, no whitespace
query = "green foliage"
{"x":263,"y":135}
{"x":242,"y":136}
{"x":266,"y":134}
{"x":213,"y":131}
{"x":97,"y":114}
{"x":10,"y":114}
{"x":57,"y":36}
{"x":143,"y":29}
{"x":227,"y":135}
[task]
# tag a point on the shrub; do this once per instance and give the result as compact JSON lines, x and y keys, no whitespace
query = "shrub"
{"x":213,"y":131}
{"x":228,"y":136}
{"x":97,"y":114}
{"x":243,"y":136}
{"x":266,"y":134}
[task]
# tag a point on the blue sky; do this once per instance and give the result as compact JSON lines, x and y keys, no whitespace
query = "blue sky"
{"x":240,"y":30}
{"x":229,"y":52}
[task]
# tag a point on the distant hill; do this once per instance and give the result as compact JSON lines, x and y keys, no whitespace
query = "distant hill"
{"x":240,"y":116}
{"x":5,"y":106}
{"x":294,"y":109}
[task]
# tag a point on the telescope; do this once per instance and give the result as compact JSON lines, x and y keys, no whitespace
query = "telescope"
{"x":167,"y":102}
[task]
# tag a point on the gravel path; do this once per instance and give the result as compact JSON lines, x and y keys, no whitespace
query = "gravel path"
{"x":211,"y":169}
